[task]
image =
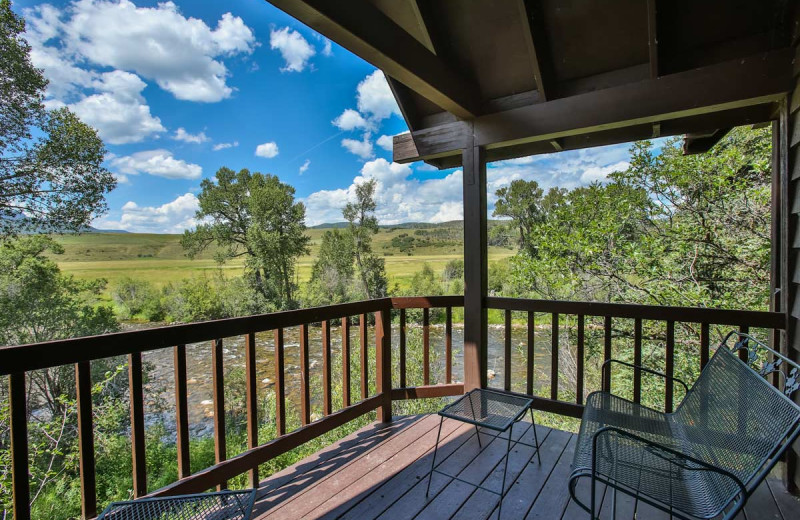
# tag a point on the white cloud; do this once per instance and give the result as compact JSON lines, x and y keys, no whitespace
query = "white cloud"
{"x":374,"y":97}
{"x":295,"y":49}
{"x":267,"y":150}
{"x":182,"y":55}
{"x":326,"y":48}
{"x":160,"y":163}
{"x":172,"y":217}
{"x":351,"y":120}
{"x":361,"y":148}
{"x":386,"y":142}
{"x":304,"y":167}
{"x":222,"y":146}
{"x":182,"y":135}
{"x":600,"y":173}
{"x":118,"y":112}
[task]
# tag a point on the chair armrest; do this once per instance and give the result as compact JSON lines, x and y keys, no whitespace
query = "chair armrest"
{"x":607,"y":366}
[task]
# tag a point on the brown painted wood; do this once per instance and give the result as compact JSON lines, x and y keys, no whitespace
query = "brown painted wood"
{"x":181,"y":411}
{"x":218,"y":387}
{"x":554,"y":357}
{"x":425,"y":392}
{"x":327,"y":405}
{"x":137,"y":425}
{"x":759,"y":319}
{"x":637,"y":360}
{"x":580,"y":354}
{"x":426,"y":302}
{"x":652,"y":37}
{"x":18,"y":409}
{"x":507,"y":353}
{"x":305,"y":378}
{"x":251,"y":396}
{"x":531,"y":352}
{"x":83,"y":387}
{"x":670,"y":367}
{"x":402,"y":348}
{"x":607,"y":352}
{"x":475,"y":269}
{"x":345,"y":361}
{"x":280,"y":385}
{"x":426,"y":347}
{"x":365,"y":31}
{"x":744,"y":329}
{"x":704,"y":344}
{"x":362,"y":323}
{"x":535,"y":36}
{"x":448,"y":346}
{"x":383,"y":363}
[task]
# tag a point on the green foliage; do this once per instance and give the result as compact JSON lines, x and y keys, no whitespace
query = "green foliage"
{"x":51,"y":173}
{"x":136,"y":297}
{"x":255,"y":216}
{"x":362,"y":225}
{"x":333,"y":272}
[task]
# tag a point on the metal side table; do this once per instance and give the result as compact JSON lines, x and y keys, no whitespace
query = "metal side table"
{"x":221,"y":505}
{"x":494,"y":410}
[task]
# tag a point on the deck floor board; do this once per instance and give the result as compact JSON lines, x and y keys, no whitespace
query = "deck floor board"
{"x":381,"y":471}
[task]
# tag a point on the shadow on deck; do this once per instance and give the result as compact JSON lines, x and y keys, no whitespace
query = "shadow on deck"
{"x":381,"y":471}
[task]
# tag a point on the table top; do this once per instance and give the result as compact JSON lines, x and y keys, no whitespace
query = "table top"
{"x":488,"y":408}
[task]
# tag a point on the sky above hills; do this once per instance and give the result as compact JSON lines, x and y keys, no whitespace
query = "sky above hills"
{"x":179,"y":89}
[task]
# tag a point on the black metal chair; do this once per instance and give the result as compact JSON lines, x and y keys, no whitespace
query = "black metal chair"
{"x":221,"y":505}
{"x":707,"y":457}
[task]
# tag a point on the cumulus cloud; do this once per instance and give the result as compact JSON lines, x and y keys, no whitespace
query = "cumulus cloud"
{"x":267,"y":150}
{"x":182,"y":55}
{"x":223,"y":146}
{"x":172,"y":217}
{"x":182,"y":135}
{"x":600,"y":173}
{"x":295,"y":50}
{"x":327,"y":49}
{"x":160,"y":163}
{"x":386,"y":142}
{"x":361,"y":148}
{"x":304,"y":167}
{"x":374,"y":97}
{"x":351,"y":120}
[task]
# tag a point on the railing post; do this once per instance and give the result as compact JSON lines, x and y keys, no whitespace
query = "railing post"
{"x":21,"y":492}
{"x":251,"y":391}
{"x":475,"y":268}
{"x":137,"y":425}
{"x":383,"y":362}
{"x":83,"y":390}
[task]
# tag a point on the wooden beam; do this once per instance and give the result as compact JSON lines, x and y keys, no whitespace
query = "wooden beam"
{"x":652,"y":37}
{"x":533,"y":32}
{"x":694,"y":144}
{"x":556,"y":144}
{"x":758,"y":80}
{"x":364,"y":30}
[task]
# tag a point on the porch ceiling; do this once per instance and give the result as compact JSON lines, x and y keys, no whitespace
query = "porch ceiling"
{"x":536,"y":76}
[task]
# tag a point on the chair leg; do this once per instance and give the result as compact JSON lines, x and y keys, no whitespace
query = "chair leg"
{"x":535,"y":438}
{"x":433,"y":461}
{"x":478,"y":435}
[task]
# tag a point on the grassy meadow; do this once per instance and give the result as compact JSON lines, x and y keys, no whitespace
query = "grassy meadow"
{"x":159,"y":259}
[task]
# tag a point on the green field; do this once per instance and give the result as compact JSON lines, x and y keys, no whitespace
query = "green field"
{"x":160,"y":259}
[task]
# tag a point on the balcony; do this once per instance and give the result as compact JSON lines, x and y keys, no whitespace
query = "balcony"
{"x":380,"y":469}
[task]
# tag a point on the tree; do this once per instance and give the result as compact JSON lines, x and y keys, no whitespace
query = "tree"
{"x":51,"y":174}
{"x":527,"y":205}
{"x":255,"y":216}
{"x":360,"y":216}
{"x":333,"y":271}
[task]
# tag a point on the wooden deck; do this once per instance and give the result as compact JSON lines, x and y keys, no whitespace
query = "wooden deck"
{"x":381,"y":472}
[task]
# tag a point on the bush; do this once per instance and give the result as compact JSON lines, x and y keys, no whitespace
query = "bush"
{"x":137,"y":297}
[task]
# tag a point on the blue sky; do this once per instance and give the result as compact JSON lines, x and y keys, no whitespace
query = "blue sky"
{"x":180,"y":89}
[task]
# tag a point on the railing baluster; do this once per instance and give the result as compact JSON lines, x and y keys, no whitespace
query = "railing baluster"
{"x":705,"y":340}
{"x":181,"y":411}
{"x":607,"y":352}
{"x":383,"y":363}
{"x":744,"y":329}
{"x":362,"y":321}
{"x":426,"y":347}
{"x":448,"y":345}
{"x":218,"y":383}
{"x":18,"y":408}
{"x":531,"y":351}
{"x":346,"y":361}
{"x":327,"y":406}
{"x":507,"y":353}
{"x":670,"y":366}
{"x":280,"y":388}
{"x":579,"y":353}
{"x":402,"y":352}
{"x":554,"y":358}
{"x":252,"y":401}
{"x":305,"y":378}
{"x":637,"y":360}
{"x":137,"y":425}
{"x":83,"y":387}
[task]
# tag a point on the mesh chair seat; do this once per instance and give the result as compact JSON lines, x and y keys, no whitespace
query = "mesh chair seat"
{"x":222,"y":505}
{"x":731,"y":420}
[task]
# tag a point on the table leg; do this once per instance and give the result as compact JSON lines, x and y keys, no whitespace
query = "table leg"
{"x":477,"y":432}
{"x":505,"y":470}
{"x":535,"y":437}
{"x":433,"y":461}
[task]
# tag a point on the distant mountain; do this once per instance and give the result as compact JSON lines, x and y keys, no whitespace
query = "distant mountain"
{"x":330,"y":225}
{"x":406,"y":225}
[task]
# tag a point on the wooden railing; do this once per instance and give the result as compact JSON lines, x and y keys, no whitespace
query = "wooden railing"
{"x":16,"y":361}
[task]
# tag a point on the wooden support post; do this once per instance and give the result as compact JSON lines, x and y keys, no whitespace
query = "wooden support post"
{"x":83,"y":387}
{"x":137,"y":425}
{"x":383,"y":363}
{"x":346,"y":361}
{"x":18,"y":409}
{"x":218,"y":383}
{"x":181,"y":411}
{"x":475,"y":268}
{"x":252,"y":401}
